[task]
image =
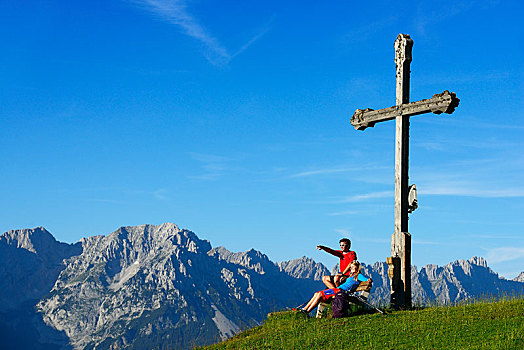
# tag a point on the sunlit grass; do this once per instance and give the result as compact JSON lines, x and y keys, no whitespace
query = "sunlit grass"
{"x":479,"y":325}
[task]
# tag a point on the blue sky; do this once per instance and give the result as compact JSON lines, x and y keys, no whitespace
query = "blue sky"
{"x":231,"y":119}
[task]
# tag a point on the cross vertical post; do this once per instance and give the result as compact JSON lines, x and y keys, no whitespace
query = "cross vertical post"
{"x":401,"y":239}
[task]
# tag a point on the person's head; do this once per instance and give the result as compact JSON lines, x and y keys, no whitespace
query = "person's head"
{"x":345,"y":244}
{"x":355,"y":269}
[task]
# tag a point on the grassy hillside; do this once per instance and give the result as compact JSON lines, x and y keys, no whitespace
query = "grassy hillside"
{"x":483,"y":325}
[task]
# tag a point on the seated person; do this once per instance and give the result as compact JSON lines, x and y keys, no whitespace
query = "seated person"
{"x":346,"y":257}
{"x":351,"y":284}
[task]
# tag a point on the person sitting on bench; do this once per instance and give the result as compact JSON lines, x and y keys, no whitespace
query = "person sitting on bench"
{"x":346,"y":257}
{"x":351,"y":284}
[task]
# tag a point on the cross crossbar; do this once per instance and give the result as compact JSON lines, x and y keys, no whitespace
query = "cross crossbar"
{"x":445,"y":102}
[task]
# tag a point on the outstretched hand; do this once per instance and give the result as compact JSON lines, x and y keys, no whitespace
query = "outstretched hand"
{"x":320,"y":247}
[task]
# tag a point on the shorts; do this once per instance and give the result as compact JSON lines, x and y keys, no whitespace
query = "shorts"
{"x":329,"y":293}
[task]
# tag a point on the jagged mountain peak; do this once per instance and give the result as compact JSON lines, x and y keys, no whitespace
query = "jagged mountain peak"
{"x":464,"y":266}
{"x":39,"y":242}
{"x":477,"y":260}
{"x":30,"y":262}
{"x":224,"y":253}
{"x":467,"y":266}
{"x":132,"y":252}
{"x":256,"y":254}
{"x":135,"y":241}
{"x":220,"y":253}
{"x":519,"y":278}
{"x":31,"y":239}
{"x":304,"y":267}
{"x":251,"y":259}
{"x":301,"y":260}
{"x":155,"y":234}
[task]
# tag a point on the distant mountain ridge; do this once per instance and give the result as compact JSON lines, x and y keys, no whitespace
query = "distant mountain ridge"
{"x":459,"y":280}
{"x":161,"y":286}
{"x":38,"y":258}
{"x":304,"y":268}
{"x":158,"y":284}
{"x":519,"y":278}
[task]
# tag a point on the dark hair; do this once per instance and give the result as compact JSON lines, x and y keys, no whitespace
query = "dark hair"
{"x":346,"y":240}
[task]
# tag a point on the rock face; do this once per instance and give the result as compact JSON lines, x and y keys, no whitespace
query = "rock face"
{"x":163,"y":285}
{"x":459,"y":280}
{"x":158,"y":286}
{"x":30,"y":262}
{"x":304,"y":268}
{"x":519,"y":278}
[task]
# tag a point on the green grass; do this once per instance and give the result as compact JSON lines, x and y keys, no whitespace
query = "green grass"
{"x":481,"y":325}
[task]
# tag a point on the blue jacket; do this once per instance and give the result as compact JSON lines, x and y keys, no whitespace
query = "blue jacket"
{"x":351,"y":285}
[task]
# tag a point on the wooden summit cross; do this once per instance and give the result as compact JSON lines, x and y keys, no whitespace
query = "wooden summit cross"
{"x":399,"y":263}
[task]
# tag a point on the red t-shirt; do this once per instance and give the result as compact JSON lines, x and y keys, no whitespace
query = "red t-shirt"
{"x":346,"y":258}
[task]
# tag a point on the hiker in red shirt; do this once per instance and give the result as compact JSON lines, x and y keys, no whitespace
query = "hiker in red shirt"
{"x":346,"y":258}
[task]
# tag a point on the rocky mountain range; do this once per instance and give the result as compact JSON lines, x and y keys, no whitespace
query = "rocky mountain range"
{"x":159,"y":286}
{"x":456,"y":281}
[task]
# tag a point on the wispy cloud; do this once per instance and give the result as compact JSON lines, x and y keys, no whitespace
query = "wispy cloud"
{"x":176,"y":12}
{"x":344,"y":213}
{"x":356,"y":198}
{"x":322,"y":172}
{"x":368,"y":209}
{"x":501,"y":254}
{"x":103,"y":200}
{"x":494,"y":235}
{"x":208,"y":158}
{"x":459,"y":190}
{"x":213,"y":166}
{"x":262,"y":32}
{"x":498,"y":177}
{"x":419,"y":242}
{"x":338,"y":170}
{"x":374,"y":240}
{"x":474,"y":123}
{"x":428,"y":14}
{"x":432,"y":145}
{"x":159,"y":194}
{"x":370,"y":195}
{"x":343,"y":232}
{"x":464,"y":78}
{"x":458,"y":142}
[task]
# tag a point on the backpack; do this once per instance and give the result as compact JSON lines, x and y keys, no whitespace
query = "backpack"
{"x":340,"y":305}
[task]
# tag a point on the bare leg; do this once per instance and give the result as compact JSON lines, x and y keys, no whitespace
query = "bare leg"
{"x":327,"y":282}
{"x":337,"y":280}
{"x":310,"y":302}
{"x":313,"y":302}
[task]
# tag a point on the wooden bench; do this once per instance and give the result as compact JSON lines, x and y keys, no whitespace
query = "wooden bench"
{"x":363,"y":291}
